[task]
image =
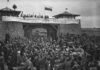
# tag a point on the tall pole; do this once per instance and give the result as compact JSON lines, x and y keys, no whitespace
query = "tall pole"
{"x":7,"y":2}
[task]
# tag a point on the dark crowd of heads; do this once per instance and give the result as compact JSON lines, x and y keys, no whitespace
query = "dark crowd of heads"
{"x":80,"y":50}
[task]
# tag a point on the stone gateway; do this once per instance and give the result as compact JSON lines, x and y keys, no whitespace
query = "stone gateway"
{"x":14,"y":25}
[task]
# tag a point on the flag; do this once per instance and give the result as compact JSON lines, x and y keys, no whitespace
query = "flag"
{"x":48,"y":8}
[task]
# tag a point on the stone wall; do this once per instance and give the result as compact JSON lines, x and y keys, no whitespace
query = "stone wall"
{"x":2,"y":31}
{"x":15,"y":29}
{"x":91,"y":31}
{"x":70,"y":28}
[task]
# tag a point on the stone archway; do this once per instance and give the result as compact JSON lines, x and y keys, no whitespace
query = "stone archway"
{"x":51,"y":30}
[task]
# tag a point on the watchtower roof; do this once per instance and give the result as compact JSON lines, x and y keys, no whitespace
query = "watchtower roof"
{"x":65,"y":14}
{"x":9,"y":12}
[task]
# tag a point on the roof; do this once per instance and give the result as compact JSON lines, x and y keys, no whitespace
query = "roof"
{"x":8,"y":10}
{"x":66,"y":13}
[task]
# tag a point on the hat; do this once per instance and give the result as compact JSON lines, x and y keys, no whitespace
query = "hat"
{"x":18,"y":51}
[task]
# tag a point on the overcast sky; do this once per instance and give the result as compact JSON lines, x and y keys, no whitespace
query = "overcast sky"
{"x":88,"y":9}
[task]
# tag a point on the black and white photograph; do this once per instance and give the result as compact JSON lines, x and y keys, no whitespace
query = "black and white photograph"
{"x":49,"y":34}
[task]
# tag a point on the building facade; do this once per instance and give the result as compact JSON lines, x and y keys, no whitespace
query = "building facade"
{"x":20,"y":26}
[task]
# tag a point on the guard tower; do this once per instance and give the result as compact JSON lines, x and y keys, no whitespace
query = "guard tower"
{"x":8,"y":12}
{"x":66,"y":15}
{"x":5,"y":26}
{"x":69,"y":23}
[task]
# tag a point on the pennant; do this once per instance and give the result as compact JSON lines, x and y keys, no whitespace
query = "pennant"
{"x":48,"y":8}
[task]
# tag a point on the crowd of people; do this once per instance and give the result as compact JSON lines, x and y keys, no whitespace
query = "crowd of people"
{"x":34,"y":16}
{"x":71,"y":52}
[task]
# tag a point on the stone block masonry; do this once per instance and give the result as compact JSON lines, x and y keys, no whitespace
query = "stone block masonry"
{"x":14,"y":29}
